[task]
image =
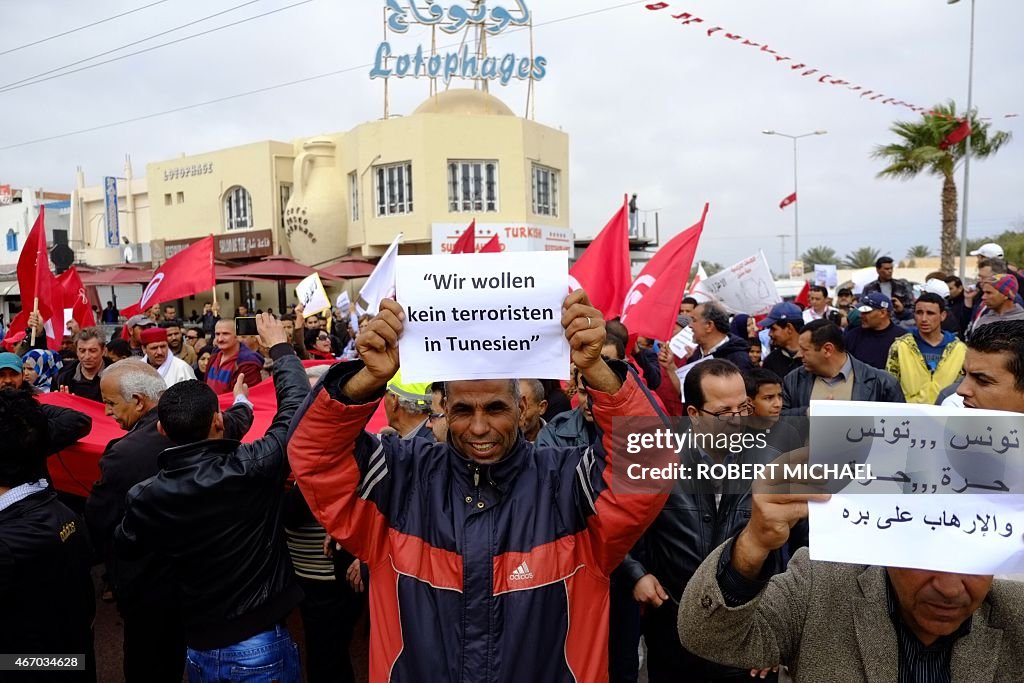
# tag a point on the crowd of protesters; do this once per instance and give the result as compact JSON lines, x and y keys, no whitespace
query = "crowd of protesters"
{"x":480,"y":531}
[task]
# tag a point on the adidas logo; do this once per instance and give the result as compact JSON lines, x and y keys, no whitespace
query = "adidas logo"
{"x":522,"y":573}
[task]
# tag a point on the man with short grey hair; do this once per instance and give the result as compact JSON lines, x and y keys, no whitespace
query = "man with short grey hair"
{"x":154,"y":644}
{"x":710,"y":327}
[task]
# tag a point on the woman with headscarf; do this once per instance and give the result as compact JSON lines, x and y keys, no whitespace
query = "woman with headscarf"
{"x":41,"y":367}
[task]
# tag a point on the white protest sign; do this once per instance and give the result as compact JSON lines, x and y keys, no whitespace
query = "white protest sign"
{"x":483,"y":316}
{"x":945,"y":487}
{"x":745,"y":287}
{"x":69,"y":315}
{"x":342,"y":303}
{"x":682,"y":344}
{"x":310,"y":293}
{"x":826,"y":275}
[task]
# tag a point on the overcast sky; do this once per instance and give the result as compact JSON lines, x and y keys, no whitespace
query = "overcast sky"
{"x":651,"y":106}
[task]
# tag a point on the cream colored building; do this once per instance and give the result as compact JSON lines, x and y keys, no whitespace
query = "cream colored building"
{"x":461,"y":155}
{"x":89,"y":221}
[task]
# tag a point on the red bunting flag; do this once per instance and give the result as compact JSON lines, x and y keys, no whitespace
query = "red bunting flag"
{"x":959,"y":134}
{"x":75,"y":298}
{"x":186,"y":273}
{"x":466,"y":244}
{"x":603,"y":269}
{"x":652,"y":305}
{"x":37,"y":284}
{"x":493,"y":246}
{"x":791,"y":199}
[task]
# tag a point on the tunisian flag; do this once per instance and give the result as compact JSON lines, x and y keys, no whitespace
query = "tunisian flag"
{"x":791,"y":199}
{"x":492,"y":246}
{"x":652,"y":305}
{"x":36,"y":281}
{"x":603,"y":269}
{"x":958,"y":135}
{"x":466,"y":244}
{"x":187,"y":272}
{"x":75,"y":298}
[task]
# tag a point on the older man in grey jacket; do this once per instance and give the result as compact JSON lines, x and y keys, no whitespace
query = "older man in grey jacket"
{"x":840,"y":622}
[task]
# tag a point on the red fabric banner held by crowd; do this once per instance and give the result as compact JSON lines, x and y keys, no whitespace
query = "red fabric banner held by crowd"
{"x":76,"y":468}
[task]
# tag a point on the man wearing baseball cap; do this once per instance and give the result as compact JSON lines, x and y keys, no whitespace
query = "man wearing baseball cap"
{"x":135,"y":325}
{"x":869,"y":343}
{"x":989,"y":250}
{"x":784,"y":323}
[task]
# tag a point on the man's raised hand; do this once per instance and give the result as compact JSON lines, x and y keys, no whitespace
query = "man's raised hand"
{"x":377,"y":343}
{"x":271,"y":330}
{"x":585,"y":330}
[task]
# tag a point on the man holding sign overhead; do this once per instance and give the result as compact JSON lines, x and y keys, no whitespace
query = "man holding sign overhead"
{"x":490,"y":557}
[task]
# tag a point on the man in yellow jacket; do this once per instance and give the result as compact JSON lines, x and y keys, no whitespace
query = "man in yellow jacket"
{"x":929,"y":360}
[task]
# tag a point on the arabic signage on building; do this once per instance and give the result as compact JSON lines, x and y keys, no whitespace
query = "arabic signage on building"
{"x":230,"y":246}
{"x":462,"y":63}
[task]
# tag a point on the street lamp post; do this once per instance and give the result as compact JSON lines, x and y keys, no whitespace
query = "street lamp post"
{"x":967,"y":146}
{"x":796,"y":204}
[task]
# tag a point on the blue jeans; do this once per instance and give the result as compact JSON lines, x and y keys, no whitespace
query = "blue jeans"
{"x":268,"y":656}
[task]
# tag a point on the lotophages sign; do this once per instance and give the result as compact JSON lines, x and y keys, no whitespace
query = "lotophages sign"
{"x":462,"y":63}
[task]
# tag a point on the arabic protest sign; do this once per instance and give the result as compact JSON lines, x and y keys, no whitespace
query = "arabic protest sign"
{"x":826,"y":275}
{"x":745,"y":287}
{"x":483,"y":316}
{"x":682,"y":344}
{"x":937,"y":479}
{"x":310,"y":293}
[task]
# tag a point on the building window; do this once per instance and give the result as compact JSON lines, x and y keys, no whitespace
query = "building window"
{"x":237,"y":209}
{"x":545,"y":191}
{"x":285,"y":190}
{"x":12,"y":240}
{"x":181,"y":197}
{"x":167,"y":199}
{"x":472,"y":186}
{"x":394,"y":189}
{"x":353,"y":194}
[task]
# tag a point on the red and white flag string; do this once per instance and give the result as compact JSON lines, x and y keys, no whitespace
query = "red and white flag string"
{"x":796,"y":66}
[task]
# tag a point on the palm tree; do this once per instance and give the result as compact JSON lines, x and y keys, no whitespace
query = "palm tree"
{"x":864,"y":257}
{"x":919,"y":251}
{"x":921,"y":148}
{"x":820,"y":254}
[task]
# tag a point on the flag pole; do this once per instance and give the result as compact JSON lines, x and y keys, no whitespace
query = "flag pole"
{"x":35,"y":309}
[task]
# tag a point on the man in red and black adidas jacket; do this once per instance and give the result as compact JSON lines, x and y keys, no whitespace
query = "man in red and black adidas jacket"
{"x":489,"y":557}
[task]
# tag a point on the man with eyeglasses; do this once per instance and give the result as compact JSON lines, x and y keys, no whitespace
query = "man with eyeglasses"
{"x":699,"y":516}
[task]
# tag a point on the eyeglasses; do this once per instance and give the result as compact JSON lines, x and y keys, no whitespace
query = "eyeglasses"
{"x":192,"y":337}
{"x":323,"y":337}
{"x":435,"y":416}
{"x":746,"y":410}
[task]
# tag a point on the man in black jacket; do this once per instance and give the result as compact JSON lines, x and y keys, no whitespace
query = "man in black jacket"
{"x":697,"y":518}
{"x":830,"y":373}
{"x":711,"y":332}
{"x":82,"y":378}
{"x":45,"y":587}
{"x":784,"y":323}
{"x":213,"y":514}
{"x":154,"y":645}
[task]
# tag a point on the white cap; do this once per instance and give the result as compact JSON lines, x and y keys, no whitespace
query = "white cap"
{"x":936,"y":286}
{"x":990,"y":250}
